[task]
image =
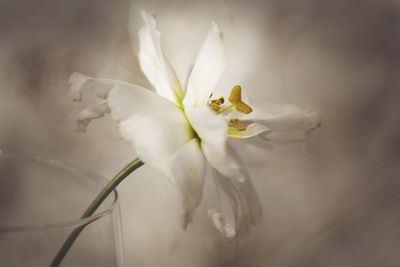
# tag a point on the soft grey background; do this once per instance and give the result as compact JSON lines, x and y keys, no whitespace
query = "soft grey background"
{"x":336,"y":205}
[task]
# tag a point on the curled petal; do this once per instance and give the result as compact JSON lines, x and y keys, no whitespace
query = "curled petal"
{"x":77,"y":80}
{"x":225,"y":228}
{"x":187,"y":167}
{"x":152,"y":125}
{"x":89,"y":114}
{"x":287,"y":122}
{"x":209,"y":66}
{"x":238,"y":206}
{"x":102,"y":87}
{"x":153,"y":63}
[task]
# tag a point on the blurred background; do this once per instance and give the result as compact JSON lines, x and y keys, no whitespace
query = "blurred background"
{"x":334,"y":205}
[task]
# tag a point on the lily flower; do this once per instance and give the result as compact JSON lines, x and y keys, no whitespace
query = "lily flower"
{"x":180,"y":131}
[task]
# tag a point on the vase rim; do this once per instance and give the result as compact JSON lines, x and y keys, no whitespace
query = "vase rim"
{"x":95,"y":176}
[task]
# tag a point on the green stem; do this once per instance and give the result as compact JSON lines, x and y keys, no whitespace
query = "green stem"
{"x":128,"y":169}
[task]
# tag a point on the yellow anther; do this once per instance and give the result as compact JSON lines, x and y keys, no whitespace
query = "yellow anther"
{"x":216,"y":101}
{"x":243,"y":107}
{"x":236,"y":99}
{"x":234,"y":121}
{"x":237,"y":124}
{"x":215,"y":106}
{"x":236,"y":94}
{"x":237,"y":128}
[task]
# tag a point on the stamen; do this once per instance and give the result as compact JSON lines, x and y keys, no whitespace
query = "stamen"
{"x":236,"y":99}
{"x":216,"y":101}
{"x":243,"y":107}
{"x":237,"y":124}
{"x":236,"y":94}
{"x":225,"y":108}
{"x":215,"y":104}
{"x":215,"y":107}
{"x":234,"y":121}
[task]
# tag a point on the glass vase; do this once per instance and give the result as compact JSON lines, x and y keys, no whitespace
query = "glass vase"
{"x":41,"y":202}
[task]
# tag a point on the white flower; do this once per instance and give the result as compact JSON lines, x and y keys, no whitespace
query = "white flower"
{"x":178,"y":131}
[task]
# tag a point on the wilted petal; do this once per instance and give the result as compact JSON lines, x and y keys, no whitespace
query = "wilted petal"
{"x":287,"y":122}
{"x":102,"y":86}
{"x":238,"y":206}
{"x":152,"y":125}
{"x":187,"y":166}
{"x":153,"y":64}
{"x":89,"y":114}
{"x":209,"y":66}
{"x":77,"y":80}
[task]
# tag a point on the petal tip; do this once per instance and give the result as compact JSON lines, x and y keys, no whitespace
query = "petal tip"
{"x":216,"y":28}
{"x":146,"y":15}
{"x":315,"y":120}
{"x":186,"y":220}
{"x":76,"y":80}
{"x":227,"y":230}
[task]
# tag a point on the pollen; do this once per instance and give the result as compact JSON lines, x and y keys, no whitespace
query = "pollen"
{"x":215,"y":104}
{"x":234,"y":121}
{"x":237,"y":124}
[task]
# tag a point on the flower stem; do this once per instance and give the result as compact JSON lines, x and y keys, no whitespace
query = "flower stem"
{"x":128,"y":169}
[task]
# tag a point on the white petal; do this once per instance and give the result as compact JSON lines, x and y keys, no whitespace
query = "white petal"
{"x":102,"y":86}
{"x":225,"y":226}
{"x":285,"y":136}
{"x":210,"y":127}
{"x":222,"y":160}
{"x":209,"y":66}
{"x":212,"y":130}
{"x":287,"y":122}
{"x":153,"y":64}
{"x":152,"y":125}
{"x":76,"y":80}
{"x":238,"y":206}
{"x":89,"y":114}
{"x":187,"y":171}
